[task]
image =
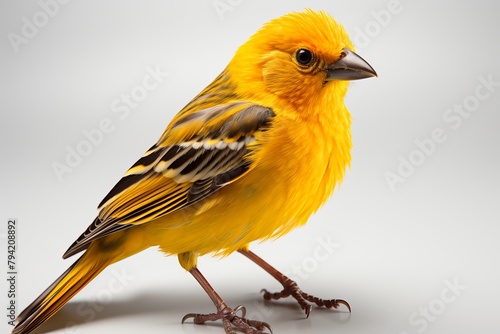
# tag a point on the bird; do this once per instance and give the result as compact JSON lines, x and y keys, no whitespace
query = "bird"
{"x":250,"y":158}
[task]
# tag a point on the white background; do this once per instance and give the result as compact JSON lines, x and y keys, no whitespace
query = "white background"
{"x":395,"y":249}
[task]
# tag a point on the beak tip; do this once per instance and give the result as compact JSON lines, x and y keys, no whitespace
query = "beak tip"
{"x":350,"y":67}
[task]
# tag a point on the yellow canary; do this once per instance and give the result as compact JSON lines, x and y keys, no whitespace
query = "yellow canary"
{"x":253,"y":156}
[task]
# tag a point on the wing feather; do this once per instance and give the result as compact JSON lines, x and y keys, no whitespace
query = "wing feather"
{"x":198,"y":154}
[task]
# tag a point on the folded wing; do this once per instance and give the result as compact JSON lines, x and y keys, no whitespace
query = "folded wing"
{"x":197,"y":155}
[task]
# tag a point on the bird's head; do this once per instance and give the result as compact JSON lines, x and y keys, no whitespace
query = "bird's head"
{"x":298,"y":58}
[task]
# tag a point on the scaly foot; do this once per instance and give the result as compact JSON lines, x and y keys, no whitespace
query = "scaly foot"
{"x":292,"y":289}
{"x":231,"y":321}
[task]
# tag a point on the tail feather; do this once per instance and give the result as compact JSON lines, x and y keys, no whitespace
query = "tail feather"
{"x":77,"y":276}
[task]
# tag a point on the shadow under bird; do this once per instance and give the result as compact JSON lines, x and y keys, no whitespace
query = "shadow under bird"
{"x":251,"y":157}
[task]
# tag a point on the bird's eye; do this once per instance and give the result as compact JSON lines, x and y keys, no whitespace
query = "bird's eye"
{"x":304,"y":57}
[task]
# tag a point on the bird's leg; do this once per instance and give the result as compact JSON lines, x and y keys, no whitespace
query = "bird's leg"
{"x":228,"y":315}
{"x":290,"y":288}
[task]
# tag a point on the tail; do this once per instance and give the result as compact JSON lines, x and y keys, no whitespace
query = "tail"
{"x":60,"y":292}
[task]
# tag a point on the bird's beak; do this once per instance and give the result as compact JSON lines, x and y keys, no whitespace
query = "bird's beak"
{"x":349,"y":67}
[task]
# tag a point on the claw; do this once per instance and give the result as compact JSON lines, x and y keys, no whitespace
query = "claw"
{"x":266,"y":325}
{"x":343,"y":302}
{"x":187,"y":316}
{"x":198,"y":319}
{"x":308,"y":310}
{"x":242,"y":309}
